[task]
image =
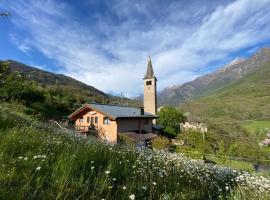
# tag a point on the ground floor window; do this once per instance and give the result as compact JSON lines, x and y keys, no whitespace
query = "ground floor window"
{"x":96,"y":120}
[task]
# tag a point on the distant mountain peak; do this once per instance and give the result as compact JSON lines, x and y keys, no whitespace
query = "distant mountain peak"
{"x":234,"y":62}
{"x":237,"y":60}
{"x":209,"y":83}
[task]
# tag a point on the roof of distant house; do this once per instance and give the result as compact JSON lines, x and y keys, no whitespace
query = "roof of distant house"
{"x":113,"y":111}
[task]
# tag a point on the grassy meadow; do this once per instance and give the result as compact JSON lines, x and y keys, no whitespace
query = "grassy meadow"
{"x":38,"y":161}
{"x":257,"y":128}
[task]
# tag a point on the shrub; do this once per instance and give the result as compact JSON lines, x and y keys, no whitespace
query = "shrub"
{"x":161,"y":143}
{"x":126,"y":140}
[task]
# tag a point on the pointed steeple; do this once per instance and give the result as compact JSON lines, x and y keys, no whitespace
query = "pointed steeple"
{"x":149,"y":72}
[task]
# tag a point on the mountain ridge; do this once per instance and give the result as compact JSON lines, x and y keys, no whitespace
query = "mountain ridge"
{"x":207,"y":84}
{"x":245,"y":99}
{"x":46,"y":78}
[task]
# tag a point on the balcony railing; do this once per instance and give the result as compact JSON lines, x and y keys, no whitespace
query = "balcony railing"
{"x":82,"y":128}
{"x":86,"y":128}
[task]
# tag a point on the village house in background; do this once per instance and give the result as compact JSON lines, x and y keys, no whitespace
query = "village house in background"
{"x":108,"y":122}
{"x":195,"y":126}
{"x":193,"y":123}
{"x":266,"y":141}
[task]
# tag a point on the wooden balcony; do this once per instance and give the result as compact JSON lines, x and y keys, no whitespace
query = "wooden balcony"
{"x":82,"y":128}
{"x":86,"y":129}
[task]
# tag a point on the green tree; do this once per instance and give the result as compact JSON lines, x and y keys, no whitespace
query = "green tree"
{"x":3,"y":74}
{"x":170,"y":119}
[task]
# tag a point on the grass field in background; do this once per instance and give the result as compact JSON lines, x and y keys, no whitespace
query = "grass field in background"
{"x":257,"y":128}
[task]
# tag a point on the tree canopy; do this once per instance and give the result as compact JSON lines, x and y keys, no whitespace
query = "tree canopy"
{"x":170,"y":119}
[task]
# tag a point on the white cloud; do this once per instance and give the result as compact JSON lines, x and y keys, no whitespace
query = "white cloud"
{"x":111,"y":53}
{"x":21,"y":45}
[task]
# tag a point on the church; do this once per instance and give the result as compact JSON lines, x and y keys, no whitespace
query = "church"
{"x":109,"y":122}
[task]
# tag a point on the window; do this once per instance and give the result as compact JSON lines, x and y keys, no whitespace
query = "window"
{"x":88,"y":119}
{"x":148,"y":82}
{"x":106,"y":120}
{"x":96,"y":120}
{"x":92,"y":120}
{"x":81,"y":119}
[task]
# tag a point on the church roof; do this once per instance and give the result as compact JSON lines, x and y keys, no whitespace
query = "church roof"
{"x":149,"y":72}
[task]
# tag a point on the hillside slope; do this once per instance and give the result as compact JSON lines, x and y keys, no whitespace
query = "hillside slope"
{"x":247,"y":98}
{"x":39,"y":161}
{"x":208,"y":84}
{"x":50,"y":95}
{"x":48,"y":78}
{"x":45,"y":78}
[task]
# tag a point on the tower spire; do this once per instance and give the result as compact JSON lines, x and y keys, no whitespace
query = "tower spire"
{"x":149,"y":72}
{"x":150,"y":90}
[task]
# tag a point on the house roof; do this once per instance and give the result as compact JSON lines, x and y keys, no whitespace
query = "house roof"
{"x":113,"y":111}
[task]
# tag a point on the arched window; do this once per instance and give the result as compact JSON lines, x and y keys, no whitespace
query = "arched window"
{"x":148,"y":82}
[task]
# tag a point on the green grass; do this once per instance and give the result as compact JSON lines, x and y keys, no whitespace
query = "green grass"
{"x":257,"y":128}
{"x":230,"y":163}
{"x":41,"y":162}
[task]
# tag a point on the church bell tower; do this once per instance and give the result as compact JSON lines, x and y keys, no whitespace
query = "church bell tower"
{"x":150,"y":90}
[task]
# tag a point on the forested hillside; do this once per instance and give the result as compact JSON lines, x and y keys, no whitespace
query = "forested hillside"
{"x":48,"y":95}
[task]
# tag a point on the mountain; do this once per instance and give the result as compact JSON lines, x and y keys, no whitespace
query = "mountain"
{"x":82,"y":90}
{"x":49,"y":78}
{"x":248,"y":98}
{"x":208,"y":84}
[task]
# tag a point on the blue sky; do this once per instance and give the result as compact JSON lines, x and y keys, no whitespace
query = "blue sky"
{"x":106,"y":44}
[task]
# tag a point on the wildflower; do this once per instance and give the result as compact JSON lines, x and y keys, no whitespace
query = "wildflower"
{"x":114,"y":179}
{"x":20,"y":157}
{"x":227,"y":187}
{"x":124,"y":187}
{"x":154,"y":183}
{"x":25,"y":158}
{"x":110,"y":187}
{"x":38,"y":168}
{"x":92,"y":161}
{"x":92,"y":167}
{"x":107,"y":172}
{"x":132,"y":196}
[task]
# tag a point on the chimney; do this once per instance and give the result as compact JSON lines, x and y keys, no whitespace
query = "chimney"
{"x":142,"y":110}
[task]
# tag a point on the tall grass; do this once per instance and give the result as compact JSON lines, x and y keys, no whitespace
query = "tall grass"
{"x":38,"y":162}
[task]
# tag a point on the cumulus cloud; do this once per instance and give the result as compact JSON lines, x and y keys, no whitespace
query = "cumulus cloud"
{"x":107,"y":47}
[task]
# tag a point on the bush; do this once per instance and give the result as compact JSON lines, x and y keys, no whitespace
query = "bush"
{"x":161,"y":143}
{"x":125,"y":140}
